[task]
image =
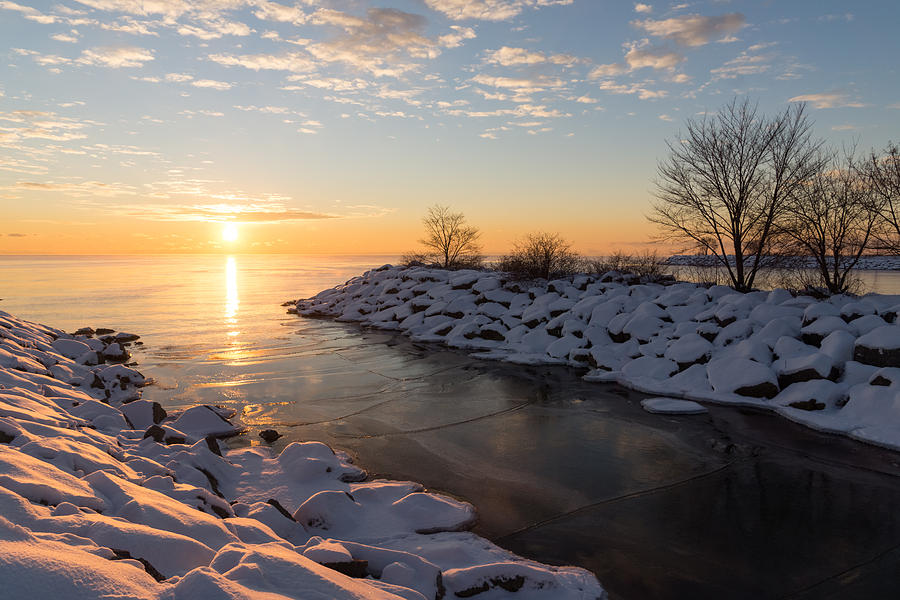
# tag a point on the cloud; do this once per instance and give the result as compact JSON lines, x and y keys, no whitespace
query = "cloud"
{"x":29,"y":12}
{"x":116,"y":57}
{"x":693,"y":30}
{"x":507,"y":57}
{"x":77,"y":189}
{"x":214,"y":29}
{"x":211,"y":84}
{"x":518,"y":84}
{"x":639,"y":57}
{"x":17,"y":235}
{"x":827,"y":100}
{"x":375,"y":43}
{"x":65,"y":37}
{"x":239,"y":209}
{"x":742,"y":65}
{"x":642,"y":8}
{"x":488,"y":10}
{"x":456,"y":37}
{"x":272,"y":11}
{"x":294,"y":62}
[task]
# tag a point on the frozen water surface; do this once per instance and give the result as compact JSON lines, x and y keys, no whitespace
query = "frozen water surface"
{"x":734,"y":503}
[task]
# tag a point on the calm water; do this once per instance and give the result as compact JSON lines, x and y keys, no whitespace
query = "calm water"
{"x":732,"y":504}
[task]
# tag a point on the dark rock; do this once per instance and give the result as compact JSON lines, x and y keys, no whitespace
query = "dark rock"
{"x":877,"y":357}
{"x":281,"y":509}
{"x":455,"y":315}
{"x":444,"y":331}
{"x":510,"y":584}
{"x":725,"y":322}
{"x":127,"y":337}
{"x":358,"y":569}
{"x":798,"y":377}
{"x":880,"y":380}
{"x":765,"y":389}
{"x":555,"y":331}
{"x":810,"y":404}
{"x":492,"y":334}
{"x":103,"y":331}
{"x":269,"y":435}
{"x":174,"y":439}
{"x":88,"y":331}
{"x":156,"y":432}
{"x":159,"y":413}
{"x":150,"y":569}
{"x":214,"y":486}
{"x":813,"y":339}
{"x":213,"y":445}
{"x":5,"y":438}
{"x":619,"y":338}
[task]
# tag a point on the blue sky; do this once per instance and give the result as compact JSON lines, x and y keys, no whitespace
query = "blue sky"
{"x":329,"y":126}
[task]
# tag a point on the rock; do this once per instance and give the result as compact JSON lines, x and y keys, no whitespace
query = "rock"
{"x":810,"y":404}
{"x":269,"y":435}
{"x":156,"y":432}
{"x":87,"y":331}
{"x":760,"y":390}
{"x":123,"y":337}
{"x":880,"y":347}
{"x":115,"y":353}
{"x":104,"y":331}
{"x":358,"y":569}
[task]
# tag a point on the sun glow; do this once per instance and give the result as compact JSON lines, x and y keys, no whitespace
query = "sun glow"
{"x":230,"y":232}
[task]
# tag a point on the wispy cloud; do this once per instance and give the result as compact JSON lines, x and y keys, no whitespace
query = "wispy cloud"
{"x":693,"y":30}
{"x":828,"y":100}
{"x":488,"y":10}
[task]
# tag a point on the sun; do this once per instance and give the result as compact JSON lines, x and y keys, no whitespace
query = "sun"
{"x":230,"y":232}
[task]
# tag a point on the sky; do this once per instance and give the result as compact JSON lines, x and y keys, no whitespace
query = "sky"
{"x":326,"y":126}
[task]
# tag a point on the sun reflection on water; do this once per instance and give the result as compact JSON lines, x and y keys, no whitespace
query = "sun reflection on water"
{"x":232,"y":302}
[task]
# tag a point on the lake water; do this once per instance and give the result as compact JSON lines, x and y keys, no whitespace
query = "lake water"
{"x":735,"y":503}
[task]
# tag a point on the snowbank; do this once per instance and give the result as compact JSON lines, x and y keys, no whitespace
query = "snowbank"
{"x":825,"y":364}
{"x":103,"y":495}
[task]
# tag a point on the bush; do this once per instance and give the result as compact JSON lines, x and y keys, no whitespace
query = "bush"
{"x":647,"y":265}
{"x":541,"y":256}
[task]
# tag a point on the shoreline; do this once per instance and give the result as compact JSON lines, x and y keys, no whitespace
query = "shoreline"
{"x":110,"y":482}
{"x":805,"y":359}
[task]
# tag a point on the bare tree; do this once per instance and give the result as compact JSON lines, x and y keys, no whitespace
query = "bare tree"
{"x":541,"y":255}
{"x":449,"y":240}
{"x":883,"y":171}
{"x":726,"y":183}
{"x":832,"y":219}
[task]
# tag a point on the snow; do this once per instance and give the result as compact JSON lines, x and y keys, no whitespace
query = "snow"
{"x":797,"y":356}
{"x":92,"y":507}
{"x":672,"y":406}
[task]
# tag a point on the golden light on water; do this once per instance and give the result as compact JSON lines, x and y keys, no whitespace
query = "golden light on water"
{"x":230,"y":232}
{"x":232,"y":302}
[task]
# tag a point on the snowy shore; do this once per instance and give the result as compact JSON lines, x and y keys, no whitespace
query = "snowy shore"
{"x":832,"y":365}
{"x":103,"y":494}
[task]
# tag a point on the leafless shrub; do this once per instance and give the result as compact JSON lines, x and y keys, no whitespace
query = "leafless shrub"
{"x":648,"y":265}
{"x":541,"y":256}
